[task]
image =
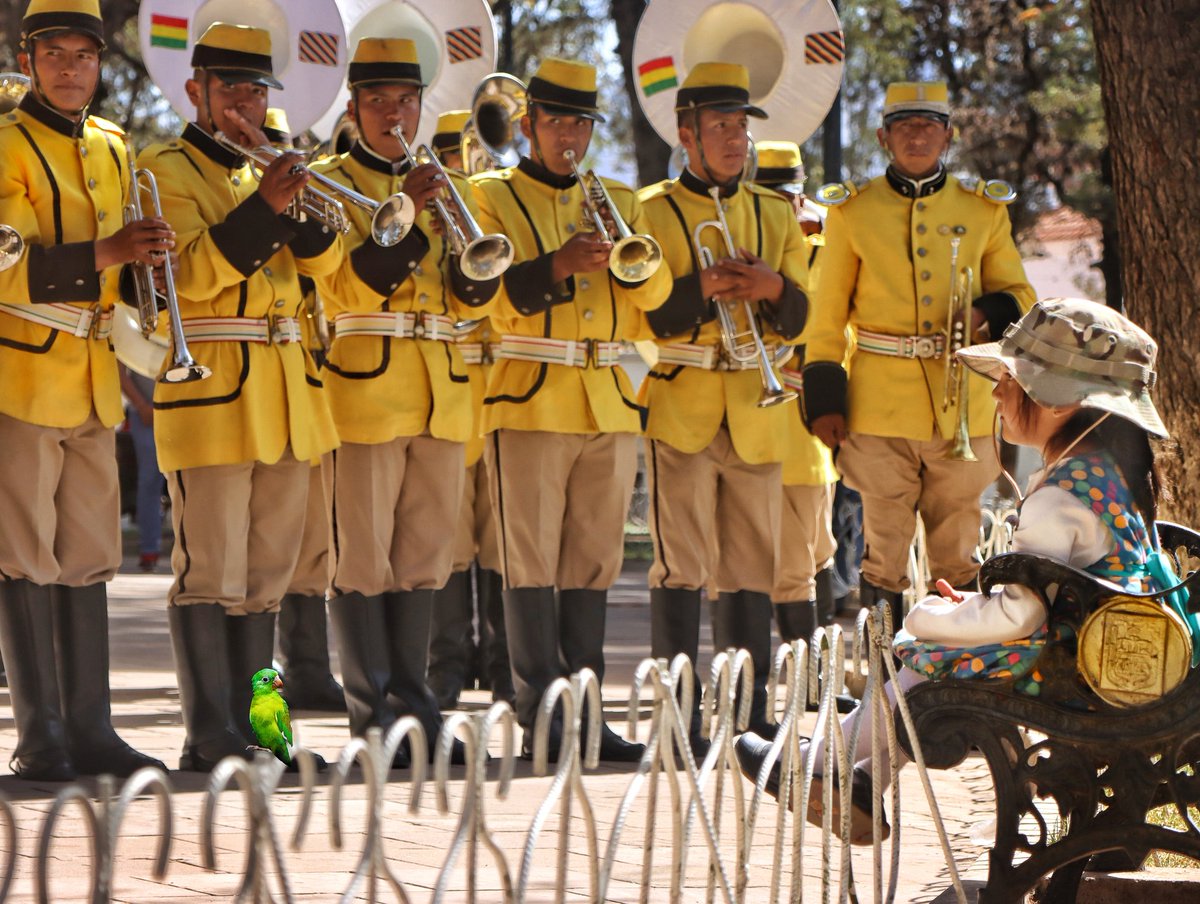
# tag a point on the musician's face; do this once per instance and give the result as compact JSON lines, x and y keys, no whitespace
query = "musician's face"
{"x":222,"y":101}
{"x":916,"y":144}
{"x":555,"y":134}
{"x":725,"y":140}
{"x":68,"y":69}
{"x":380,"y":108}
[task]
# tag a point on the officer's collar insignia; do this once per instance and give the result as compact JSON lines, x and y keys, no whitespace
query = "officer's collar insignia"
{"x":694,"y":183}
{"x":539,"y":173}
{"x":377,"y":162}
{"x":916,"y":188}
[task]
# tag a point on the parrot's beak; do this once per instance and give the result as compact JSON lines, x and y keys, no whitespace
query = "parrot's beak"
{"x":278,"y":682}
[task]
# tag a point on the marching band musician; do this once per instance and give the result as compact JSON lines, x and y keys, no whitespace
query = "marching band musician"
{"x":803,"y":592}
{"x":473,"y":593}
{"x":303,"y":633}
{"x":62,"y":178}
{"x":560,"y":415}
{"x":237,"y":448}
{"x":885,"y":271}
{"x":713,"y":456}
{"x":401,"y":398}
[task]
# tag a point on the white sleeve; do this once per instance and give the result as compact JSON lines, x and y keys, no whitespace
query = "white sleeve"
{"x":1053,"y":523}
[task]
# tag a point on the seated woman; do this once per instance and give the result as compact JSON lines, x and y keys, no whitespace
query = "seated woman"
{"x":1073,"y":380}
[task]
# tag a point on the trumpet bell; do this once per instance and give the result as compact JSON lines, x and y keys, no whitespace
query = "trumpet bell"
{"x":776,"y":395}
{"x":635,"y":258}
{"x":486,"y":257}
{"x":12,"y":246}
{"x":187,"y":371}
{"x":392,"y":220}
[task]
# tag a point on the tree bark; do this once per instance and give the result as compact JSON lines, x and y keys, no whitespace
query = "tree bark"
{"x":1146,"y":53}
{"x":650,"y":150}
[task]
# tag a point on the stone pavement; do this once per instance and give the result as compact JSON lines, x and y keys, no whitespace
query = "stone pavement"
{"x":146,"y":712}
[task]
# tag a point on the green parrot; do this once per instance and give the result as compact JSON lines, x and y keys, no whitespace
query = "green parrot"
{"x":269,"y":716}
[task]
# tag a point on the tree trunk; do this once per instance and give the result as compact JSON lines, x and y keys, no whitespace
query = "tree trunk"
{"x":651,"y":151}
{"x":1147,"y":59}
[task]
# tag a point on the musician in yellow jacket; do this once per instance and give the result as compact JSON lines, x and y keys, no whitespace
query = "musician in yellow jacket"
{"x":63,"y":179}
{"x":803,"y":592}
{"x":401,"y":398}
{"x":714,"y":454}
{"x":560,"y":413}
{"x":237,"y":448}
{"x":885,"y":271}
{"x":472,"y":595}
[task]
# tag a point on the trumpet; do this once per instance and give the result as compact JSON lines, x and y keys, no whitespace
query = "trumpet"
{"x":184,"y":368}
{"x":742,"y":346}
{"x":391,"y":218}
{"x":479,"y":256}
{"x":12,"y":246}
{"x":954,"y":388}
{"x":633,"y":257}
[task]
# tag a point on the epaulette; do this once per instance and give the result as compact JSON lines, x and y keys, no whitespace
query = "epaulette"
{"x":8,"y":119}
{"x":616,"y":185}
{"x":995,"y":190}
{"x":500,"y":175}
{"x":834,"y":193}
{"x":326,"y":165}
{"x":757,"y":189}
{"x":105,"y":125}
{"x":155,"y":151}
{"x":658,"y":189}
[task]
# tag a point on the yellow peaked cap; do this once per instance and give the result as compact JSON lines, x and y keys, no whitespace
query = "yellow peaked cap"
{"x":452,"y":121}
{"x":277,"y":120}
{"x":385,"y":50}
{"x":712,"y":75}
{"x":778,"y":154}
{"x":239,"y":38}
{"x":80,"y":7}
{"x":80,"y":16}
{"x":917,"y":97}
{"x":569,"y":74}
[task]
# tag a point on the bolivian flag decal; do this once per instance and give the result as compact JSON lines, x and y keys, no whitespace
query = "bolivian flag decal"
{"x":657,"y":75}
{"x":168,"y":31}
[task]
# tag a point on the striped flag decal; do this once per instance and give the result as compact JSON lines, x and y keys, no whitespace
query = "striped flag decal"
{"x":318,"y":47}
{"x":824,"y":47}
{"x":464,"y":43}
{"x":657,"y":75}
{"x":168,"y":31}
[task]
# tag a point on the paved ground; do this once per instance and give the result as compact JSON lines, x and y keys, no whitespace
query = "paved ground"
{"x":146,"y":711}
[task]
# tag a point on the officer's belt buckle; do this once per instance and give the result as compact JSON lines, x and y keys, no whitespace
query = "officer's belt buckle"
{"x":923,"y":346}
{"x":282,"y":330}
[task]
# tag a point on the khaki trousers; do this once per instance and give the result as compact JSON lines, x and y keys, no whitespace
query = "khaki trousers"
{"x":395,"y":510}
{"x":714,"y":519}
{"x":561,"y":500}
{"x":236,"y":537}
{"x":806,"y":543}
{"x":476,"y":537}
{"x":899,"y":478}
{"x":60,"y":503}
{"x":312,"y":567}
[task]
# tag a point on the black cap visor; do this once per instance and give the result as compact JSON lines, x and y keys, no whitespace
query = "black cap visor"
{"x":247,"y":76}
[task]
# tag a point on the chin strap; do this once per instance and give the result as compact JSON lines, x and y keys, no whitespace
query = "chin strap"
{"x":36,"y":85}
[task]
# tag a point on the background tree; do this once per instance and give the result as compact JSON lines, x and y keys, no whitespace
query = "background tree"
{"x":1151,"y":91}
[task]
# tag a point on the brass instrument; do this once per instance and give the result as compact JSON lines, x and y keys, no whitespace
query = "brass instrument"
{"x":12,"y":246}
{"x":391,"y":218}
{"x":633,"y":257}
{"x":742,"y":346}
{"x":479,"y":256}
{"x":13,"y":87}
{"x":954,"y":389}
{"x":184,"y":368}
{"x":475,"y":157}
{"x":500,"y":101}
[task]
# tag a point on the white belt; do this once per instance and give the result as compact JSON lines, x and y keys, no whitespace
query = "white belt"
{"x":793,"y":380}
{"x":406,"y":325}
{"x":264,"y":330}
{"x":476,"y":352}
{"x":931,"y":346}
{"x":79,"y":322}
{"x":572,"y":352}
{"x":709,"y":357}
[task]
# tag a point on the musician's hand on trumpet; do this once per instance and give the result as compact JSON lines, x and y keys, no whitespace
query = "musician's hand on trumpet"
{"x":584,"y":252}
{"x":424,"y":183}
{"x":282,"y":180}
{"x":748,"y":276}
{"x":143,"y":241}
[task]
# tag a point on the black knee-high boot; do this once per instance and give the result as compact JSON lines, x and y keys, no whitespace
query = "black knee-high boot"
{"x":675,"y":629}
{"x":451,"y":645}
{"x":742,"y":620}
{"x":304,"y":651}
{"x":531,"y":619}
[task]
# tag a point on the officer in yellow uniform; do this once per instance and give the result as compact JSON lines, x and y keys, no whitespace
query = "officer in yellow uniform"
{"x":303,"y":633}
{"x":238,"y":447}
{"x":713,"y":456}
{"x":560,"y":414}
{"x":803,"y":593}
{"x":63,"y":176}
{"x":885,"y":271}
{"x":401,"y":397}
{"x":472,"y":595}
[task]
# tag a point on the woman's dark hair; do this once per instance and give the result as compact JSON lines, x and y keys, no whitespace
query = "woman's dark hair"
{"x":1127,"y":443}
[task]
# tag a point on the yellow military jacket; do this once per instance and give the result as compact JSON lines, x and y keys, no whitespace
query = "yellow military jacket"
{"x":539,"y":211}
{"x":238,"y":259}
{"x":62,"y":187}
{"x":885,"y":268}
{"x":382,"y":387}
{"x":687,"y":405}
{"x":808,"y":462}
{"x":477,"y":348}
